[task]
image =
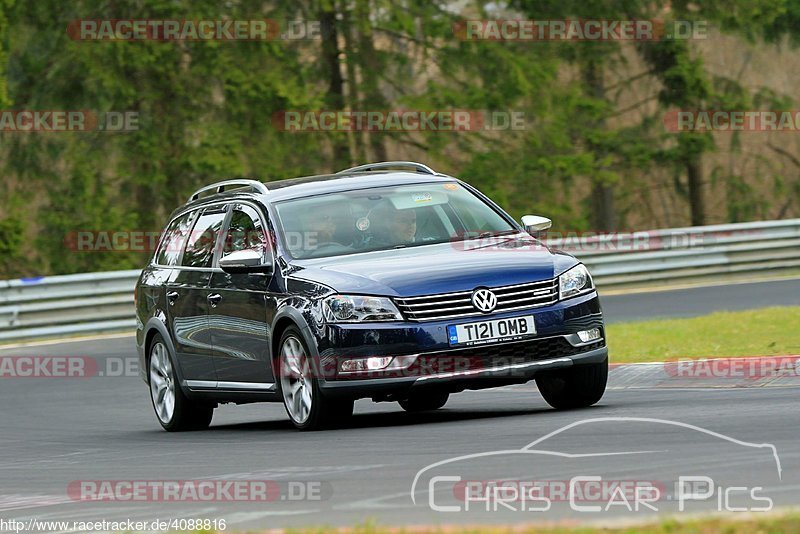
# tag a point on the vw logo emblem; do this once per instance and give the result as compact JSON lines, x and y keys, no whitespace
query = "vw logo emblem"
{"x":484,"y":300}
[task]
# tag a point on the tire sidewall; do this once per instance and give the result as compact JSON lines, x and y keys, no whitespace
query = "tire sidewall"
{"x":187,"y":415}
{"x":171,"y":425}
{"x":311,"y":420}
{"x":579,"y":386}
{"x":325,"y":412}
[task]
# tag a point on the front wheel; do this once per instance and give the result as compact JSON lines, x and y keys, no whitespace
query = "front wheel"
{"x":576,"y":387}
{"x":175,"y":411}
{"x":307,"y":407}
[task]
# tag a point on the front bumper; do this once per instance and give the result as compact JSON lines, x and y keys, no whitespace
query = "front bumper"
{"x":423,"y":357}
{"x":396,"y":388}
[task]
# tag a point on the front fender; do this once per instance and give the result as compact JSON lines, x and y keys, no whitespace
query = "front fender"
{"x":298,"y":318}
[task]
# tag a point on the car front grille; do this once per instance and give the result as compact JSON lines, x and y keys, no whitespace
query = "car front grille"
{"x":459,"y":304}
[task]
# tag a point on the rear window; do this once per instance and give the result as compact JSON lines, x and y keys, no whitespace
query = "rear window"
{"x":200,"y":245}
{"x":174,"y":239}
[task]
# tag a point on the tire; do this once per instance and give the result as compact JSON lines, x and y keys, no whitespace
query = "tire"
{"x":174,"y":411}
{"x":577,"y":387}
{"x":424,"y":402}
{"x":306,"y":404}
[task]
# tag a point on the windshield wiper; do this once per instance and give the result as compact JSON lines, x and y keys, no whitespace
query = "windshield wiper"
{"x":496,"y":234}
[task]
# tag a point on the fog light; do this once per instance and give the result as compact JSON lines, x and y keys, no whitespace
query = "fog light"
{"x":589,"y":335}
{"x":373,"y":363}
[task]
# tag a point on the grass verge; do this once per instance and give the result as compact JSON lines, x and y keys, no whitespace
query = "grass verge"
{"x":763,"y":332}
{"x":751,"y":524}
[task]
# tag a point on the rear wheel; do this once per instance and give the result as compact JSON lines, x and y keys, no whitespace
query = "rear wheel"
{"x":576,"y":387}
{"x":174,"y":410}
{"x":305,"y":403}
{"x":423,"y":402}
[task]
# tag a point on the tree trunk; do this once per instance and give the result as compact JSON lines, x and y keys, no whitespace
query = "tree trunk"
{"x":697,"y":202}
{"x":356,"y":138}
{"x":603,"y":216}
{"x":371,"y":66}
{"x":334,"y":99}
{"x":603,"y":208}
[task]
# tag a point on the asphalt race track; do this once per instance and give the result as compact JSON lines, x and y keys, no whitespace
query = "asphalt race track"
{"x":59,"y":431}
{"x":695,"y":301}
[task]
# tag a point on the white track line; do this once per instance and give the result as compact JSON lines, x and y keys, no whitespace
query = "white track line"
{"x":46,"y":342}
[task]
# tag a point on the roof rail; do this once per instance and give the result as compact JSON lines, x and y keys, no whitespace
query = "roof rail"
{"x":419,"y":167}
{"x":219,"y":187}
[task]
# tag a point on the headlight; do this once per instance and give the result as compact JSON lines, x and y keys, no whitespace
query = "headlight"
{"x":356,"y":309}
{"x":574,"y":282}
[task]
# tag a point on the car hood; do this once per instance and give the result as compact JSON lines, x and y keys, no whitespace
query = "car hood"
{"x":437,"y":268}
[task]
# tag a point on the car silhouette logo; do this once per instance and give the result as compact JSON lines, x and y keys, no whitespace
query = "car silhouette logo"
{"x":484,"y":300}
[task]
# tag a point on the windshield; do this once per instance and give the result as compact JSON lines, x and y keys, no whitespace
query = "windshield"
{"x":384,"y":218}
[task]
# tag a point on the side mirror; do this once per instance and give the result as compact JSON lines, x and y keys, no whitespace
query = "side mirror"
{"x":534,"y":224}
{"x":249,"y":260}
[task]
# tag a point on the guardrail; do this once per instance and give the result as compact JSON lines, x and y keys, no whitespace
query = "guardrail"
{"x":103,"y":302}
{"x":66,"y":305}
{"x":685,"y":255}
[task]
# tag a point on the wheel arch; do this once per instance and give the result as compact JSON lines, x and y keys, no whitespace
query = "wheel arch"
{"x":284,"y":319}
{"x":155,"y":326}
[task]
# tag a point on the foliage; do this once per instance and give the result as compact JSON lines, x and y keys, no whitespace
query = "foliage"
{"x":206,"y":109}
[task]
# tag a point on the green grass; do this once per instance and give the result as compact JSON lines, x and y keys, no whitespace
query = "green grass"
{"x":763,"y":332}
{"x":750,"y":524}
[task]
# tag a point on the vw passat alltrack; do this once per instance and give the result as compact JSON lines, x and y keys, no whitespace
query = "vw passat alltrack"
{"x":375,"y":282}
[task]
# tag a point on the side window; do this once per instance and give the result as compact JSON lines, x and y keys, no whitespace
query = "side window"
{"x":244,"y":231}
{"x":200,"y":246}
{"x":174,"y":239}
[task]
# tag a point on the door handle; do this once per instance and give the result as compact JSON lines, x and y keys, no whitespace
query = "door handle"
{"x":214,"y":299}
{"x":172,"y":296}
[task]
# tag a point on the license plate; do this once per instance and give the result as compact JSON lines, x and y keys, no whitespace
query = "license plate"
{"x":495,"y":330}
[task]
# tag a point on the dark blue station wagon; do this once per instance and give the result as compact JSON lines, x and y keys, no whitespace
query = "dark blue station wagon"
{"x":374,"y":282}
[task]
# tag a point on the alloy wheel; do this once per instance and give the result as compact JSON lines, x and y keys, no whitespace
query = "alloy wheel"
{"x":162,"y":383}
{"x":296,"y":381}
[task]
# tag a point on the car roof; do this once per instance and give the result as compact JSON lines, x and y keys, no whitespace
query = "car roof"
{"x":307,"y":186}
{"x":332,"y":183}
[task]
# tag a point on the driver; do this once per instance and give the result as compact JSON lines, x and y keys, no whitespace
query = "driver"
{"x":397,"y":227}
{"x":323,"y":232}
{"x":321,"y":225}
